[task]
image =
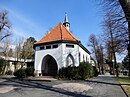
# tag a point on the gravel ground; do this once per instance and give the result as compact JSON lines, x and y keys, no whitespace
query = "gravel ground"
{"x":73,"y":87}
{"x":6,"y":89}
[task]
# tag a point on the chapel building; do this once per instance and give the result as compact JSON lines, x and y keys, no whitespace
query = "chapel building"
{"x":59,"y":48}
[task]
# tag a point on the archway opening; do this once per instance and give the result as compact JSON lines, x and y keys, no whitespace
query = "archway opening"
{"x":49,"y":66}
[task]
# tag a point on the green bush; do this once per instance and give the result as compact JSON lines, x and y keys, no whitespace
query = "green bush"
{"x":95,"y":71}
{"x":20,"y":73}
{"x":9,"y":72}
{"x":75,"y":74}
{"x":68,"y":73}
{"x":2,"y":63}
{"x":62,"y":72}
{"x":65,"y":73}
{"x":29,"y":71}
{"x":24,"y":72}
{"x":83,"y":71}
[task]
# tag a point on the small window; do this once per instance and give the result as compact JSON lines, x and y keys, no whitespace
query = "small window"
{"x":42,"y":47}
{"x":55,"y":46}
{"x":86,"y":59}
{"x":48,"y":47}
{"x":79,"y":57}
{"x":70,"y":46}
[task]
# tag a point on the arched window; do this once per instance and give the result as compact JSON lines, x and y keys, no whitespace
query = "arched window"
{"x":69,"y":60}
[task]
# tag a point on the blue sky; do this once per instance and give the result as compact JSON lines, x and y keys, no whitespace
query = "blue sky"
{"x":36,"y":17}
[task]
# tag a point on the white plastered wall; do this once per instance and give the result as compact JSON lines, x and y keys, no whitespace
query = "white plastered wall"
{"x":60,"y":54}
{"x":73,"y":51}
{"x":40,"y":54}
{"x":86,"y":57}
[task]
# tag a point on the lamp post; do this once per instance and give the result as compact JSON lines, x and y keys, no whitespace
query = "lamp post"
{"x":113,"y":67}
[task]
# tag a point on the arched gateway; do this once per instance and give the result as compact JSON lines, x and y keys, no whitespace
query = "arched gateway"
{"x":49,"y":66}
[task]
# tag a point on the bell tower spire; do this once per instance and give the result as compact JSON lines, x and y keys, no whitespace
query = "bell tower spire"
{"x":66,"y":22}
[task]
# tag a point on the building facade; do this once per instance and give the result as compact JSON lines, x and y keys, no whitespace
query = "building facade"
{"x":59,"y":48}
{"x":14,"y":63}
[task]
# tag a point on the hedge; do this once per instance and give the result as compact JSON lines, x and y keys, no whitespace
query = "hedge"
{"x":83,"y":71}
{"x":24,"y":72}
{"x":2,"y":63}
{"x":20,"y":73}
{"x":29,"y":71}
{"x":9,"y":72}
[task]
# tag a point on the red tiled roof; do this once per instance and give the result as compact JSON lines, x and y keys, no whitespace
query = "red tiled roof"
{"x":58,"y":33}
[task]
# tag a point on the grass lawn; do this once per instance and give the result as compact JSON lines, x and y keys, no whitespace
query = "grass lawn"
{"x":125,"y":80}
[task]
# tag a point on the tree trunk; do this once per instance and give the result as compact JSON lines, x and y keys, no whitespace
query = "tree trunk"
{"x":115,"y":63}
{"x":102,"y":59}
{"x":125,"y":4}
{"x":110,"y":69}
{"x":129,"y":47}
{"x":99,"y":67}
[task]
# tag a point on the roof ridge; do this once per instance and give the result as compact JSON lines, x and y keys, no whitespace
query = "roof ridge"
{"x":59,"y":32}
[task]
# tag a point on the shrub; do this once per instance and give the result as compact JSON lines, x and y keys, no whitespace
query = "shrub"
{"x":29,"y":71}
{"x":20,"y":73}
{"x":2,"y":63}
{"x":68,"y":73}
{"x":62,"y":72}
{"x":95,"y":71}
{"x":75,"y":75}
{"x":24,"y":72}
{"x":9,"y":72}
{"x":83,"y":71}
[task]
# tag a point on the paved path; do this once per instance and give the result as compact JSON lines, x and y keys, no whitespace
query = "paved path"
{"x":105,"y":86}
{"x":102,"y":86}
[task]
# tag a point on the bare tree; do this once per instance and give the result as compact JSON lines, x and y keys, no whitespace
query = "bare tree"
{"x":5,"y":49}
{"x":119,"y":5}
{"x":98,"y":51}
{"x":115,"y":33}
{"x":18,"y":49}
{"x":4,"y":25}
{"x":109,"y":57}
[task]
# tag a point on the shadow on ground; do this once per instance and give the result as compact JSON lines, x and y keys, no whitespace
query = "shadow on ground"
{"x":106,"y":79}
{"x":105,"y":83}
{"x":34,"y":84}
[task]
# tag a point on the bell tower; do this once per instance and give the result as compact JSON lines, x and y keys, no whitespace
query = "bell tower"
{"x":66,"y":22}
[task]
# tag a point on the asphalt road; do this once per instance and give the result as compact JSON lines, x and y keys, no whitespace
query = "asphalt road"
{"x":106,"y":86}
{"x":102,"y":86}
